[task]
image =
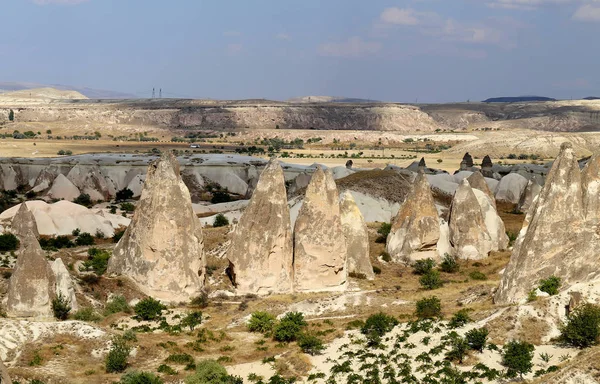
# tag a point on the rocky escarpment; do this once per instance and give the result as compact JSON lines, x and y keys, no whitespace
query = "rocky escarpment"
{"x":162,"y":249}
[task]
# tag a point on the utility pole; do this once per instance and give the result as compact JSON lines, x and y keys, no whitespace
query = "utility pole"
{"x":160,"y":93}
{"x":153,"y":93}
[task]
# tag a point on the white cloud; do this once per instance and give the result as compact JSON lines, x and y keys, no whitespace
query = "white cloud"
{"x":59,"y":2}
{"x":588,"y":12}
{"x":527,"y":5}
{"x":282,"y":36}
{"x":400,"y":16}
{"x":353,"y":47}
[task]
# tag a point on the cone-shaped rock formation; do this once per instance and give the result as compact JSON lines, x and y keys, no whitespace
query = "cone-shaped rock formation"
{"x":319,"y":241}
{"x":23,"y":222}
{"x":357,"y":237}
{"x":261,"y":252}
{"x":162,"y":249}
{"x":477,"y":181}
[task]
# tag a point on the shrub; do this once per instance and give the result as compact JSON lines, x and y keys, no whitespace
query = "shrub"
{"x":127,"y":207}
{"x":383,"y":231}
{"x":149,"y":309}
{"x":97,"y":261}
{"x":116,"y":305}
{"x":61,"y":306}
{"x":220,"y":221}
{"x":310,"y":344}
{"x":99,"y":234}
{"x":8,"y":242}
{"x":429,"y":308}
{"x":423,"y":267}
{"x":477,"y":338}
{"x":84,"y":238}
{"x":56,"y":242}
{"x":87,"y":314}
{"x":192,"y":320}
{"x":517,"y":357}
{"x":83,"y":199}
{"x":209,"y":372}
{"x":124,"y":194}
{"x":459,"y":319}
{"x":180,"y":358}
{"x":386,"y":257}
{"x":582,"y":327}
{"x":550,"y":285}
{"x":378,"y":325}
{"x":458,"y":349}
{"x":117,"y":236}
{"x":220,"y":197}
{"x":76,"y":232}
{"x":135,"y":377}
{"x":532,"y":296}
{"x":449,"y":264}
{"x":289,"y":327}
{"x":116,"y":360}
{"x":431,"y":280}
{"x":166,"y":369}
{"x":201,"y":301}
{"x":262,"y":322}
{"x":476,"y":275}
{"x":376,"y":270}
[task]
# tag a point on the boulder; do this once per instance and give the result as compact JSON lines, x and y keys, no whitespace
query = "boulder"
{"x":493,"y":222}
{"x":477,"y":181}
{"x":63,"y":188}
{"x":416,"y":227}
{"x":162,"y":249}
{"x":31,"y":287}
{"x":510,"y":188}
{"x":357,"y":237}
{"x":554,"y":239}
{"x":468,"y":233}
{"x":261,"y":251}
{"x":319,"y":241}
{"x":64,"y":283}
{"x":23,"y":222}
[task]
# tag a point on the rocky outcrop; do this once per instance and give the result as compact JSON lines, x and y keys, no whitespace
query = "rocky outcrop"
{"x":554,"y":240}
{"x":64,"y":283}
{"x":531,"y":191}
{"x":31,"y":286}
{"x":261,"y":252}
{"x":319,"y":241}
{"x":493,"y":222}
{"x":477,"y":181}
{"x":4,"y":376}
{"x":590,"y":184}
{"x":487,"y":167}
{"x":63,"y":188}
{"x":24,"y":222}
{"x":510,"y":188}
{"x":357,"y":237}
{"x":468,"y":232}
{"x":90,"y":179}
{"x":416,"y":227}
{"x":162,"y":249}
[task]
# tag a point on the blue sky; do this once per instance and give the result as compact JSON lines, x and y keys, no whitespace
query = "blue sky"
{"x":425,"y":50}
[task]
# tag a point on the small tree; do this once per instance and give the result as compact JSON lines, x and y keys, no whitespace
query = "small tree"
{"x":124,"y":194}
{"x":477,"y":338}
{"x":550,"y":285}
{"x":149,"y":309}
{"x":517,"y":357}
{"x":116,"y":360}
{"x":429,"y":308}
{"x":431,"y":280}
{"x":310,"y":344}
{"x":458,"y":349}
{"x":449,"y":264}
{"x":83,"y":199}
{"x":11,"y":115}
{"x":61,"y":306}
{"x":8,"y":242}
{"x":290,"y":327}
{"x":383,"y":231}
{"x":422,"y":267}
{"x":84,"y":238}
{"x":459,"y":319}
{"x":220,"y":221}
{"x":262,"y":322}
{"x":192,"y":320}
{"x":136,"y":377}
{"x":378,"y":325}
{"x":583,"y":326}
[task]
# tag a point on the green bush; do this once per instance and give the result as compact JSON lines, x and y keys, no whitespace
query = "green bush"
{"x":97,"y":261}
{"x":550,"y":285}
{"x":116,"y":360}
{"x":459,"y":319}
{"x":458,"y":349}
{"x":385,"y":256}
{"x":136,"y":377}
{"x":84,"y":238}
{"x":127,"y":207}
{"x":8,"y":242}
{"x":477,"y":338}
{"x":378,"y":325}
{"x":87,"y":314}
{"x":310,"y":344}
{"x":149,"y":309}
{"x":376,"y":270}
{"x":220,"y":221}
{"x":117,"y":304}
{"x":211,"y":372}
{"x":192,"y":320}
{"x":290,"y":326}
{"x":180,"y":358}
{"x":166,"y":369}
{"x":449,"y":264}
{"x":423,"y":267}
{"x":383,"y":231}
{"x":582,"y":327}
{"x":431,"y":280}
{"x":57,"y":242}
{"x":429,"y":308}
{"x":262,"y":322}
{"x":476,"y":275}
{"x":517,"y":357}
{"x":61,"y":306}
{"x":83,"y":199}
{"x":124,"y":194}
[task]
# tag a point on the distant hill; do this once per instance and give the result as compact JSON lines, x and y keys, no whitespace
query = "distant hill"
{"x":517,"y":99}
{"x":42,"y":93}
{"x":329,"y":99}
{"x":88,"y":92}
{"x":591,"y":98}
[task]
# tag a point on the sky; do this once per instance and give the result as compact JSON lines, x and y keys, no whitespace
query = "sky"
{"x":389,"y":50}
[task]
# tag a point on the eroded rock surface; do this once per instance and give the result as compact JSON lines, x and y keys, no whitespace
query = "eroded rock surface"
{"x":357,"y":237}
{"x":477,"y":181}
{"x":319,"y":241}
{"x":261,"y":252}
{"x":416,"y":227}
{"x":23,"y":222}
{"x":64,"y":283}
{"x":162,"y":249}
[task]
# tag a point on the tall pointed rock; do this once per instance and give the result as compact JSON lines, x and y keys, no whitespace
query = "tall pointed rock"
{"x":468,"y":233}
{"x":357,"y":237}
{"x":261,"y":252}
{"x":31,"y":288}
{"x":23,"y":222}
{"x":319,"y":242}
{"x":590,"y":185}
{"x":416,"y":226}
{"x":477,"y":181}
{"x":554,"y":239}
{"x":162,"y":249}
